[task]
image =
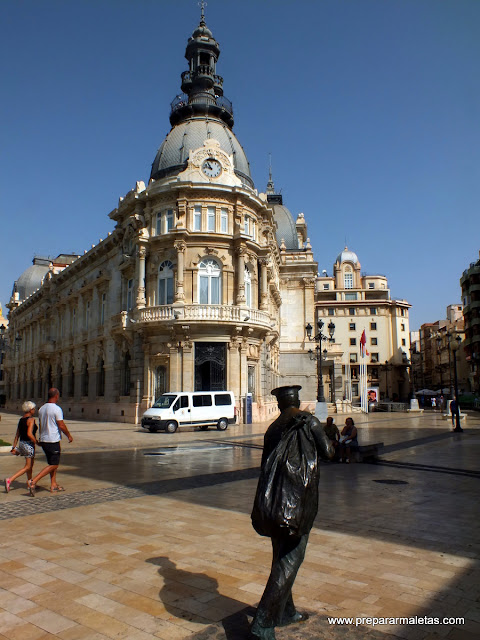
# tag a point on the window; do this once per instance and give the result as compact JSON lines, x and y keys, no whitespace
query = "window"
{"x":331,"y":312}
{"x":353,"y":357}
{"x":353,"y":342}
{"x":350,"y":296}
{"x":374,"y":357}
{"x":374,"y":373}
{"x":202,"y":401}
{"x":402,"y":312}
{"x":373,"y":326}
{"x":371,"y":285}
{"x":74,"y":322}
{"x":250,"y":227}
{"x":374,"y":341}
{"x":87,"y":314}
{"x":348,"y":280}
{"x":373,"y":311}
{"x":403,"y":327}
{"x":351,"y":311}
{"x":197,"y":218}
{"x":209,"y":281}
{"x":355,"y":389}
{"x":210,"y":218}
{"x":126,"y":375}
{"x":222,"y":399}
{"x":248,"y":287}
{"x":326,"y":287}
{"x":352,"y":326}
{"x":224,"y":220}
{"x":165,"y":283}
{"x":101,"y":378}
{"x":164,"y":221}
{"x":404,"y":342}
{"x":130,"y":294}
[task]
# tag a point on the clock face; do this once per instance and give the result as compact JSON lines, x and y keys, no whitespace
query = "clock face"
{"x":212,"y":168}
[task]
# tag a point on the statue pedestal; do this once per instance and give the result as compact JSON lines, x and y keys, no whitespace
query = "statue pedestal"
{"x":414,"y":408}
{"x":321,"y":411}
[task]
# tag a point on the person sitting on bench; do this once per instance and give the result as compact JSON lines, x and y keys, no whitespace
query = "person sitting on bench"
{"x":348,"y":440}
{"x":333,"y":435}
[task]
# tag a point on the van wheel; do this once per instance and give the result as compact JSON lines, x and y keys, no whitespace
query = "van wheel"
{"x":171,"y":427}
{"x":203,"y":427}
{"x":222,"y":424}
{"x":152,"y":429}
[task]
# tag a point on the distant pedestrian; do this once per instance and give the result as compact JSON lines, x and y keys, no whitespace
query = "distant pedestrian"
{"x":453,"y":410}
{"x":434,"y":404}
{"x":333,"y":433}
{"x":24,"y":442}
{"x":51,"y":427}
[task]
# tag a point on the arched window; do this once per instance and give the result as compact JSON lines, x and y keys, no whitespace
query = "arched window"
{"x":209,"y":273}
{"x":348,"y":279}
{"x":248,"y":287}
{"x":165,"y":283}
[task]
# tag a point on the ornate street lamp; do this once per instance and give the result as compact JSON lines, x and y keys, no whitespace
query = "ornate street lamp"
{"x":455,"y":346}
{"x":318,"y":355}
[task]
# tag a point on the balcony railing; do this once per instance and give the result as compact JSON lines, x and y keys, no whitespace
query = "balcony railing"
{"x":205,"y":313}
{"x":181,"y":101}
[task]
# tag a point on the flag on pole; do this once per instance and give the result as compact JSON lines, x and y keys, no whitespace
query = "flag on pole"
{"x":363,"y":373}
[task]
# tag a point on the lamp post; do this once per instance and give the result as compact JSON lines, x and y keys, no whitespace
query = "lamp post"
{"x":321,"y":406}
{"x":387,"y":367}
{"x":455,"y":346}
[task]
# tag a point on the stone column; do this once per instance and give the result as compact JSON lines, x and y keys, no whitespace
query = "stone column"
{"x":263,"y":284}
{"x":188,"y":366}
{"x":141,"y":300}
{"x":240,"y":276}
{"x":179,"y":289}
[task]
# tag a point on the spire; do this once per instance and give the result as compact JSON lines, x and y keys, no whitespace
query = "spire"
{"x":202,"y":4}
{"x":272,"y":196}
{"x":202,"y":88}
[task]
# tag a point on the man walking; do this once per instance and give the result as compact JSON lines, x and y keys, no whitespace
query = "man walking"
{"x":52,"y":425}
{"x":276,"y":607}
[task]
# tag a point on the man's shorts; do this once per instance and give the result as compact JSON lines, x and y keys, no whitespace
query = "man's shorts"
{"x":52,"y":451}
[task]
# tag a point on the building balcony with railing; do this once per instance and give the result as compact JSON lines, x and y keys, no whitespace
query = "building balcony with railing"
{"x":204,"y":314}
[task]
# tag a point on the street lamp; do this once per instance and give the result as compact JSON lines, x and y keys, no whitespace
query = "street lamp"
{"x":455,"y":347}
{"x":387,"y":367}
{"x":321,"y":408}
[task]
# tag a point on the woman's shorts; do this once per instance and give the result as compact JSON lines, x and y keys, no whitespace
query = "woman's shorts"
{"x":26,"y":449}
{"x":52,"y":451}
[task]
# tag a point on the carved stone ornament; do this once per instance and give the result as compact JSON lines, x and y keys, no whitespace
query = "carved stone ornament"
{"x":211,"y":149}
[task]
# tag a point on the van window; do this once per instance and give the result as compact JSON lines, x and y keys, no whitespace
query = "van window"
{"x":181,"y":403}
{"x":222,"y":399}
{"x":164,"y":402}
{"x":202,"y":401}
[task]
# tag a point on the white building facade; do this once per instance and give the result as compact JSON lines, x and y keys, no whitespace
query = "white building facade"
{"x":355,"y":303}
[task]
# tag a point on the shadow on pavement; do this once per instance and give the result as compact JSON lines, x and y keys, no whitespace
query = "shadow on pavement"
{"x":186,"y":595}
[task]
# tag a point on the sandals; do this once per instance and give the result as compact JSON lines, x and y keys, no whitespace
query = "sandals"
{"x":56,"y":489}
{"x":31,"y":486}
{"x":8,"y":482}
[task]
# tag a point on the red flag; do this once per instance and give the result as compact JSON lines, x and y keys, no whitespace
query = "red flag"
{"x":363,"y":342}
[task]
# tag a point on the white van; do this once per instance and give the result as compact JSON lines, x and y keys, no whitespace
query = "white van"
{"x":197,"y":409}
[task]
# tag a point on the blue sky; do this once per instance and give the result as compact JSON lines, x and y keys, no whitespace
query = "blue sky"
{"x":370,"y":109}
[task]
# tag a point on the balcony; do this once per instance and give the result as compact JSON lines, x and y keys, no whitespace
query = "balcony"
{"x":205,"y":313}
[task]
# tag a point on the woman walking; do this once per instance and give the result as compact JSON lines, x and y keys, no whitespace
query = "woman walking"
{"x":25,"y":442}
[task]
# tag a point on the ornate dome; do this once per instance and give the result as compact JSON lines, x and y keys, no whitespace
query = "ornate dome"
{"x":31,"y":279}
{"x":190,"y":134}
{"x":286,"y":229}
{"x":347,"y":256}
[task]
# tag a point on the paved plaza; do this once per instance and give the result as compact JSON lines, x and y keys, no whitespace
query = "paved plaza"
{"x":152,"y":537}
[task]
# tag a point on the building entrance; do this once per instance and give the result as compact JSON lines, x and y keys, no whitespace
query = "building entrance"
{"x":210,"y":366}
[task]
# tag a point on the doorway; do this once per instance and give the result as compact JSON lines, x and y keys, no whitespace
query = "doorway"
{"x":210,"y":366}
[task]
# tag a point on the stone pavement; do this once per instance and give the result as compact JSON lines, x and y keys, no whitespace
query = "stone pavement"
{"x":152,"y":538}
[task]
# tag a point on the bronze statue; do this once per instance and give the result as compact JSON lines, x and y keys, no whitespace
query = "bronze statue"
{"x":286,"y":504}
